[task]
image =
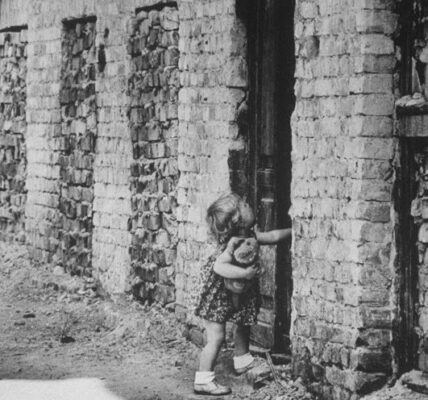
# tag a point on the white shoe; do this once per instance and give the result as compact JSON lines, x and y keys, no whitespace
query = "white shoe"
{"x":257,"y":362}
{"x":240,"y":371}
{"x":212,"y":388}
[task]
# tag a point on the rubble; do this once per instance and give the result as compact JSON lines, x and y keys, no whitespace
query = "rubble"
{"x":399,"y":391}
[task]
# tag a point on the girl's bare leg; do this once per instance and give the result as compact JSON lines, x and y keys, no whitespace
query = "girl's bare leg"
{"x":205,"y":382}
{"x":215,"y":338}
{"x":242,"y":360}
{"x":242,"y":340}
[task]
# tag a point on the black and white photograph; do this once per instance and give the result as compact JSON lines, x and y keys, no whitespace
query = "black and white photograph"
{"x":208,"y":199}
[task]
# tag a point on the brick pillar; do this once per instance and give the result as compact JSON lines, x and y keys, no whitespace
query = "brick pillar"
{"x":42,"y":220}
{"x":342,"y":151}
{"x":112,"y":203}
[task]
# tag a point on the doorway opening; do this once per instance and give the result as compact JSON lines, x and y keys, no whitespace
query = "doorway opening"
{"x":412,"y":244}
{"x":271,"y":63}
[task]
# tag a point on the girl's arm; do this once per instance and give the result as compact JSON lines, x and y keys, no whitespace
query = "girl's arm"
{"x":223,"y":266}
{"x":273,"y":237}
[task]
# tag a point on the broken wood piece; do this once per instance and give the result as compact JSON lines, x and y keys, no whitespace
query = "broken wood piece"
{"x":272,"y":368}
{"x":281,"y":359}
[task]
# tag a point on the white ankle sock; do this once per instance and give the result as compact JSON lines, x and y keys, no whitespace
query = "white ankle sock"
{"x":203,"y":377}
{"x":242,"y":361}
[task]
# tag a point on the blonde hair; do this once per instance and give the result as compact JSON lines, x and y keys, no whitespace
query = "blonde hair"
{"x":223,"y":216}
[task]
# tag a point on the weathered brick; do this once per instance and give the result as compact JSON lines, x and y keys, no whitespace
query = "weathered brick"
{"x":371,"y":126}
{"x":375,"y":44}
{"x":333,"y":46}
{"x":371,"y":84}
{"x":371,"y":104}
{"x":308,"y":10}
{"x":376,"y":21}
{"x":375,"y":148}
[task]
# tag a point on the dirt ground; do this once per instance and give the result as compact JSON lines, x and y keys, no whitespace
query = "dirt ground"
{"x":56,"y":327}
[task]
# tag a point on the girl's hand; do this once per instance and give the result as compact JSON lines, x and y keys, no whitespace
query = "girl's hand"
{"x":251,"y":271}
{"x":273,"y":237}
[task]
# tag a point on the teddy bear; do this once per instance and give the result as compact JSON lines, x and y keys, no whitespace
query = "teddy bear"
{"x":244,"y":254}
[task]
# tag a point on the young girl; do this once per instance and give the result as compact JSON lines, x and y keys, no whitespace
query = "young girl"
{"x":228,"y":216}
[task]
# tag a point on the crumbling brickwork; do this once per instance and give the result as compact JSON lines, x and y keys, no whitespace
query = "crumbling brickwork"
{"x":154,"y":86}
{"x":77,"y":145}
{"x":13,"y":157}
{"x":341,"y":195}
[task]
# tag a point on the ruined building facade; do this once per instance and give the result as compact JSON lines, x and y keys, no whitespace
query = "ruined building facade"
{"x":122,"y":120}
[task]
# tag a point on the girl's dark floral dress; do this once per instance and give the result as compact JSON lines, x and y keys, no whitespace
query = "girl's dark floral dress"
{"x":215,"y":301}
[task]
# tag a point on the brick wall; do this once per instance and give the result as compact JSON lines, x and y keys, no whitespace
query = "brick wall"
{"x":214,"y":79}
{"x":13,"y":158}
{"x":154,"y":86}
{"x":341,"y":194}
{"x":111,"y":207}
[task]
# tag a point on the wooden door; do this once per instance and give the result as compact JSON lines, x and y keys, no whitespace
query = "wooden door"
{"x":271,"y":65}
{"x":405,"y":338}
